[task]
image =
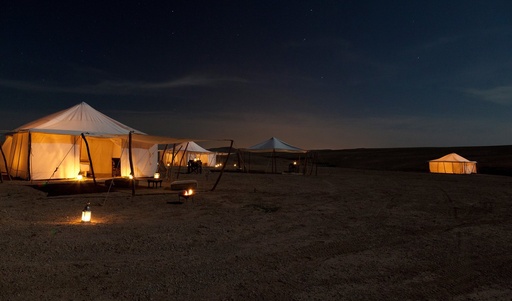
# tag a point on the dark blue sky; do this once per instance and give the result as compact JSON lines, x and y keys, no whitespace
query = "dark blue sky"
{"x":316,"y":74}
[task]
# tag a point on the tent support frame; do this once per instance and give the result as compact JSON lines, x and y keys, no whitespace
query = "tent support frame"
{"x":90,"y":159}
{"x":6,"y":167}
{"x":131,"y":161}
{"x":223,"y":166}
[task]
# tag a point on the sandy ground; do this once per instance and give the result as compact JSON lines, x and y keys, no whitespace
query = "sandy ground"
{"x":341,"y":235}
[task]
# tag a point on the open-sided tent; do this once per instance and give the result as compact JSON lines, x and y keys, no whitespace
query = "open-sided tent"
{"x":452,"y":164}
{"x":78,"y":140}
{"x":186,"y":151}
{"x":273,"y":146}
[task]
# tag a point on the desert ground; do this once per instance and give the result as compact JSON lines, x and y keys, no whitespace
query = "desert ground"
{"x":337,"y":234}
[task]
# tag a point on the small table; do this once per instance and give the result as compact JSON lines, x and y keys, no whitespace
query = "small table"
{"x":154,"y":183}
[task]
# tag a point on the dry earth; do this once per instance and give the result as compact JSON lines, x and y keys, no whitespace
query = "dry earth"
{"x":344,"y":234}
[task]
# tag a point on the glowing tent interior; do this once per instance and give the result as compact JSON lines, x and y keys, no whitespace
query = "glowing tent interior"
{"x":186,"y":151}
{"x":452,"y":164}
{"x":79,"y":140}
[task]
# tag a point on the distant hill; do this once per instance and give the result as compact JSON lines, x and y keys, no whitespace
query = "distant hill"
{"x":496,"y":160}
{"x":490,"y":159}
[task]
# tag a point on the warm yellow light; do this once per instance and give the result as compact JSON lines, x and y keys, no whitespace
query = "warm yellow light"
{"x":79,"y":177}
{"x":86,"y":214}
{"x":156,"y":175}
{"x":130,"y":177}
{"x":188,"y":192}
{"x":234,"y":165}
{"x":294,"y":163}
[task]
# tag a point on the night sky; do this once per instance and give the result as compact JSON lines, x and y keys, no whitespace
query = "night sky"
{"x":316,"y":74}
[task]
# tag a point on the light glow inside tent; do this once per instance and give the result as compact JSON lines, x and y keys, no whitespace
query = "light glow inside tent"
{"x":189,"y":151}
{"x":452,"y":164}
{"x":77,"y":140}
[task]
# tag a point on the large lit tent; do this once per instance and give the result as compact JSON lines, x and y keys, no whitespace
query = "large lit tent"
{"x":186,"y":151}
{"x":274,"y":145}
{"x":452,"y":164}
{"x":76,"y":140}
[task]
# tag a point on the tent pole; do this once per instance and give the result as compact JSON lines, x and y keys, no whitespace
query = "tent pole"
{"x":223,"y":166}
{"x":5,"y":162}
{"x":172,"y":161}
{"x":131,"y":161}
{"x":6,"y":167}
{"x":90,"y":159}
{"x":274,"y":167}
{"x":28,"y":155}
{"x":161,"y":160}
{"x":181,"y":160}
{"x":239,"y":157}
{"x":174,"y":154}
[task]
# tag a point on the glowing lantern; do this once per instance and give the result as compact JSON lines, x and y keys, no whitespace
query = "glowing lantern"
{"x":86,"y":214}
{"x":186,"y":194}
{"x":156,"y":175}
{"x":79,"y":177}
{"x":130,"y":177}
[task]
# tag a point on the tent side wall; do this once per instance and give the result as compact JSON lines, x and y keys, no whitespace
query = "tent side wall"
{"x":145,"y":159}
{"x":15,"y":149}
{"x":54,"y":156}
{"x":452,"y":167}
{"x":181,"y":158}
{"x":470,"y":167}
{"x":102,"y":151}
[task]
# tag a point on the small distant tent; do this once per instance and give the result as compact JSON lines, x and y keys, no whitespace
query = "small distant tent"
{"x":186,"y":151}
{"x":452,"y":164}
{"x":274,"y":145}
{"x":72,"y":141}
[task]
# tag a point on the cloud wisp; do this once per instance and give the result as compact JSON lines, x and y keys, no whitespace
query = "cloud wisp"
{"x":501,"y":95}
{"x":111,"y":87}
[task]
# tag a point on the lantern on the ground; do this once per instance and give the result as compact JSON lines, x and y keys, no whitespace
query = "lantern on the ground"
{"x":86,"y":214}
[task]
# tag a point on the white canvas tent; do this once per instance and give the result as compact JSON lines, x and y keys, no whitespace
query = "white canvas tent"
{"x":452,"y":164}
{"x":76,"y":140}
{"x":188,"y":151}
{"x":273,"y":146}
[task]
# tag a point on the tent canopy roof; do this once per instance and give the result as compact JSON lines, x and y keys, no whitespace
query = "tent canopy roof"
{"x":84,"y":119}
{"x":274,"y":144}
{"x":192,"y":147}
{"x":453,"y":157}
{"x":81,"y":118}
